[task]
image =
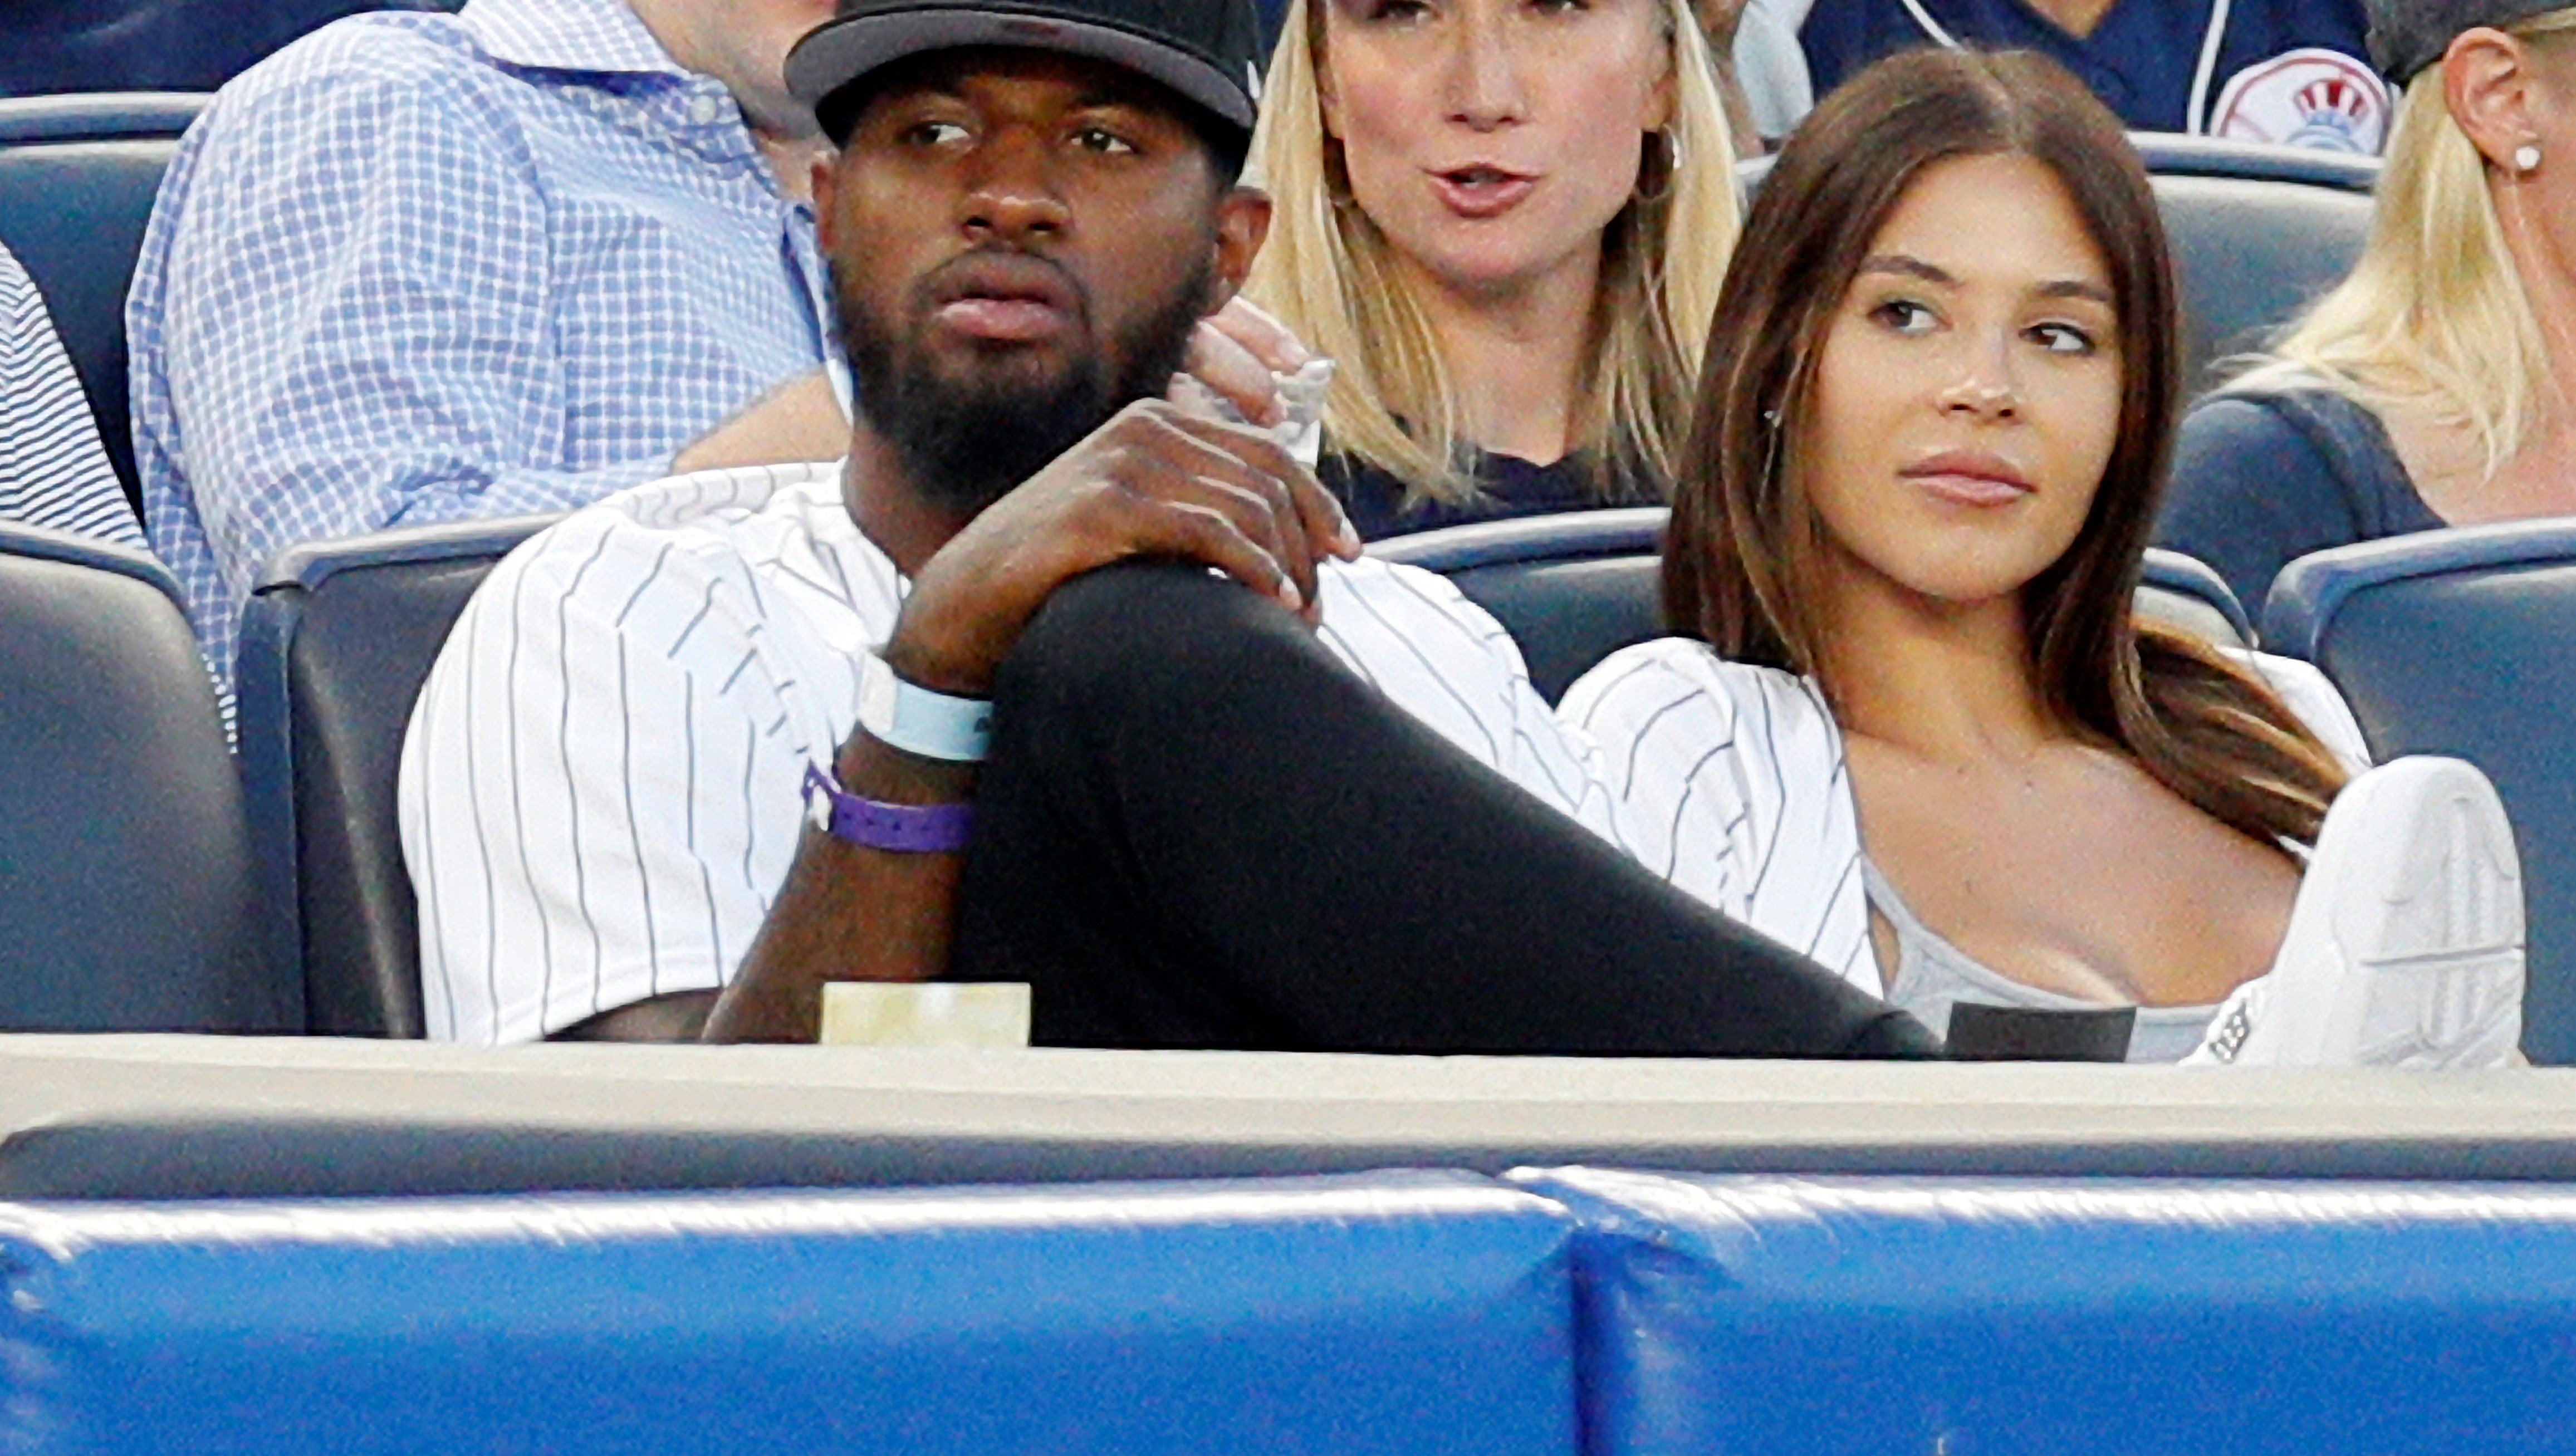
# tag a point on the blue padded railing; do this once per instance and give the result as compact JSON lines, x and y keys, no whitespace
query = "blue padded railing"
{"x":1394,"y":1314}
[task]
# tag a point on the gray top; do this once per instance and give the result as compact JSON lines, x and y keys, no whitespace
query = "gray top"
{"x":1932,"y":975}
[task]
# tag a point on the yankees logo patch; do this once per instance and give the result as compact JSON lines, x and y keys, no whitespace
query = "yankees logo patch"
{"x":2306,"y":98}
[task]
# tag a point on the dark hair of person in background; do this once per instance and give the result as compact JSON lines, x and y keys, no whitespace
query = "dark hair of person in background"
{"x":1744,"y":556}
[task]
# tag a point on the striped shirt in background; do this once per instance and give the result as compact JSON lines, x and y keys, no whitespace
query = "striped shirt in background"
{"x":420,"y":268}
{"x":53,"y":471}
{"x":1731,"y":781}
{"x":601,"y":787}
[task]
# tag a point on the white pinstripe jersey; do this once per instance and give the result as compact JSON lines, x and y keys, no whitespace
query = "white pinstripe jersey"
{"x":1731,"y":781}
{"x":600,"y":790}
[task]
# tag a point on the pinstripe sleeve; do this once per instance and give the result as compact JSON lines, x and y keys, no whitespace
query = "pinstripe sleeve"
{"x":1730,"y":782}
{"x":53,"y":471}
{"x":599,"y":784}
{"x":1447,"y":661}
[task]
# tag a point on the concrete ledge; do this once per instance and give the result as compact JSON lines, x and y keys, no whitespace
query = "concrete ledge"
{"x":194,"y":1117}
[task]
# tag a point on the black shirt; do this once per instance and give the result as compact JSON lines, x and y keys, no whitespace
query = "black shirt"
{"x":1512,"y":487}
{"x":2263,"y":479}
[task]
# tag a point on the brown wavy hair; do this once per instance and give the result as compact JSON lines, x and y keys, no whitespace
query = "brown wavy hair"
{"x":1743,"y":564}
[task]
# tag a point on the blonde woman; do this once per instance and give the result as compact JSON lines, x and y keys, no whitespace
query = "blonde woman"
{"x":2425,"y":390}
{"x":1507,"y":220}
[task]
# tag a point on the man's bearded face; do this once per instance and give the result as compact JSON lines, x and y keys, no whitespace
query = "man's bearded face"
{"x":972,"y":419}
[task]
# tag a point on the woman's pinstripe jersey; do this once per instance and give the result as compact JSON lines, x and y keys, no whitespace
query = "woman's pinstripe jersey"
{"x":53,"y":472}
{"x":1731,"y":781}
{"x":600,"y":791}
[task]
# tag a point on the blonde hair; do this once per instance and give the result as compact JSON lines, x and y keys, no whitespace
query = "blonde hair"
{"x":1329,"y":274}
{"x":2434,"y":316}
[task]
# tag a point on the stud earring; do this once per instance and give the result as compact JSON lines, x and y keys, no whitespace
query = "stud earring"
{"x":2526,"y":158}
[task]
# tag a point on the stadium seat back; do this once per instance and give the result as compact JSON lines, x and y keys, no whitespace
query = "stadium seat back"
{"x":1571,"y":589}
{"x":2250,"y":255}
{"x":2184,"y":592}
{"x":2457,"y":642}
{"x":2257,"y":233}
{"x":77,"y":178}
{"x":125,"y":871}
{"x":1393,"y":1314}
{"x":335,"y":646}
{"x":1574,"y":588}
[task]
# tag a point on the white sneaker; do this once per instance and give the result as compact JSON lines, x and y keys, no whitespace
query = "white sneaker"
{"x":2405,"y":944}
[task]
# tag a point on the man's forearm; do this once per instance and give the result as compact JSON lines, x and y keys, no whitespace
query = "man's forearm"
{"x":798,"y":421}
{"x":849,"y":913}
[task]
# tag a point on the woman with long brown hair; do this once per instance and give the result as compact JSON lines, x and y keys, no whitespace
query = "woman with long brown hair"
{"x":1914,"y":728}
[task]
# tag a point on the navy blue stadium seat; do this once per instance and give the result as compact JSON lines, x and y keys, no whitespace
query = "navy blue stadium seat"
{"x":2458,"y":642}
{"x":1404,"y":1314}
{"x":2257,"y":233}
{"x":125,"y":872}
{"x":1800,"y":1317}
{"x":77,"y":179}
{"x":335,"y":645}
{"x":2186,"y":592}
{"x":1574,"y":588}
{"x":1571,"y":589}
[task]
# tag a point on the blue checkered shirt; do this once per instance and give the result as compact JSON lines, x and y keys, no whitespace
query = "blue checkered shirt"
{"x":420,"y":267}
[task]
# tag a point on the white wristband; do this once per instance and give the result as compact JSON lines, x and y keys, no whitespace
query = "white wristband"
{"x":904,"y":715}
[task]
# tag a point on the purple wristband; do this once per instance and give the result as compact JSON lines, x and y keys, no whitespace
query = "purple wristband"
{"x":897,"y":828}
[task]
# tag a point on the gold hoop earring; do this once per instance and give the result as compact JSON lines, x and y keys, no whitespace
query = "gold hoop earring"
{"x":1664,"y":156}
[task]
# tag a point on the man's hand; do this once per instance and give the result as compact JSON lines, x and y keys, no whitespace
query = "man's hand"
{"x":1237,"y":350}
{"x":1154,"y":481}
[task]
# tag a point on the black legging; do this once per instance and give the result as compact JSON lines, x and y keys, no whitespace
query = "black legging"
{"x":1198,"y":829}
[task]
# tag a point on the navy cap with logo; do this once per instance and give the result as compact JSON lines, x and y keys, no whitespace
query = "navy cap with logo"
{"x":2408,"y":35}
{"x":1207,"y":50}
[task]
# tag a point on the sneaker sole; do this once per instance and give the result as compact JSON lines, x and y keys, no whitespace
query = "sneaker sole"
{"x":2431,"y":924}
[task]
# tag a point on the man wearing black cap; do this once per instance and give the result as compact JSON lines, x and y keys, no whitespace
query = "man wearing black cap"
{"x":2408,"y":35}
{"x":1269,"y":805}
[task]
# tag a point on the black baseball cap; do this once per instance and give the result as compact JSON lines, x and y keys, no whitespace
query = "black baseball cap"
{"x":1209,"y":51}
{"x":2408,"y":35}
